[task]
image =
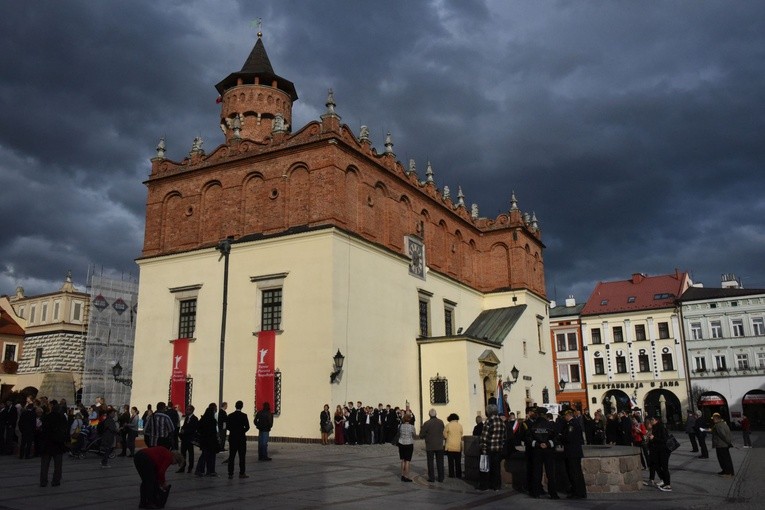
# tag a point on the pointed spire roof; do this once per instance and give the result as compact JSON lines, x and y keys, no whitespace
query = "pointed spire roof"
{"x":257,"y":65}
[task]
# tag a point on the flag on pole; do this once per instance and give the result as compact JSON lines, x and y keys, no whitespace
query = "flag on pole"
{"x":501,"y":399}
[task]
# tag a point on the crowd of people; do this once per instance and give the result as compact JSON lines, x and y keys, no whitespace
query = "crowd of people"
{"x":50,"y":429}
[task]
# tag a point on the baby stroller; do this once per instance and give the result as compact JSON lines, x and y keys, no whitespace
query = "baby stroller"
{"x":88,"y":442}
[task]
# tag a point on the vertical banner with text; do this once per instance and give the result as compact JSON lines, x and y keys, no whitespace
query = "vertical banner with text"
{"x":178,"y":376}
{"x":264,"y":378}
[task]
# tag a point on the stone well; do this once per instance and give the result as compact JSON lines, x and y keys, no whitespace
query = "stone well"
{"x":612,"y":468}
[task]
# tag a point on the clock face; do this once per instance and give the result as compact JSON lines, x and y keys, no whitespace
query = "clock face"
{"x":416,"y":252}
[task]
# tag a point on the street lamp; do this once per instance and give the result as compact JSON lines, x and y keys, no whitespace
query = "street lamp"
{"x":507,"y":384}
{"x":338,"y":360}
{"x":117,"y":372}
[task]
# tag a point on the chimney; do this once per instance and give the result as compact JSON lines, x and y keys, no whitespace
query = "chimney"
{"x":729,"y":281}
{"x":638,"y":277}
{"x":570,"y":301}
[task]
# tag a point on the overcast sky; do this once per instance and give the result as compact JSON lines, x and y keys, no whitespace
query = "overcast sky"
{"x":634,"y":130}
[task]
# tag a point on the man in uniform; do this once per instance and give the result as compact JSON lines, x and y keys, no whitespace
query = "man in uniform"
{"x":543,"y":434}
{"x":531,"y":417}
{"x":572,"y":450}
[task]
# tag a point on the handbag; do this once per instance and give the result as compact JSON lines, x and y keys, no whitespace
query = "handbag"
{"x":672,"y":443}
{"x":483,"y":464}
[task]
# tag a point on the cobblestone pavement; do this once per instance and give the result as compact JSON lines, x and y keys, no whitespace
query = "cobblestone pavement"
{"x":347,"y":477}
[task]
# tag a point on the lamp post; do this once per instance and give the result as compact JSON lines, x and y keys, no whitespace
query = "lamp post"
{"x":117,"y":372}
{"x":224,"y":247}
{"x":338,"y":361}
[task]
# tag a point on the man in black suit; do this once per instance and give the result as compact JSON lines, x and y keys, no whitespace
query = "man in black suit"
{"x":237,"y":424}
{"x":572,"y":451}
{"x":351,"y":430}
{"x":361,"y":418}
{"x":188,"y":434}
{"x":175,"y":417}
{"x":379,"y":421}
{"x":222,"y":415}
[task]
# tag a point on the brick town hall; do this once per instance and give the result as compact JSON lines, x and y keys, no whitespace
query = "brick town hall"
{"x":283,"y":248}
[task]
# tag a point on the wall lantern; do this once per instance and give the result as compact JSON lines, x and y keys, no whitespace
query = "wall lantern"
{"x":117,"y":372}
{"x":338,"y":360}
{"x":507,"y":384}
{"x":562,"y":384}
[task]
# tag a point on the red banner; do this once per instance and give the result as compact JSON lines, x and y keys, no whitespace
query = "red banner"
{"x":178,"y":377}
{"x":264,"y":378}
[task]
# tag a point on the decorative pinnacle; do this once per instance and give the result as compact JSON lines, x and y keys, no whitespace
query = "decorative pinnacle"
{"x":534,"y":221}
{"x":429,"y":173}
{"x":258,"y":23}
{"x":364,"y":134}
{"x":412,"y":167}
{"x":513,"y":202}
{"x":330,"y":104}
{"x":474,"y":211}
{"x":460,"y":197}
{"x":388,"y":144}
{"x":447,"y":193}
{"x":161,"y":148}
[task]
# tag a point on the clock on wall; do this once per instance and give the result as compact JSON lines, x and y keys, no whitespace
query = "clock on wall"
{"x":416,"y":251}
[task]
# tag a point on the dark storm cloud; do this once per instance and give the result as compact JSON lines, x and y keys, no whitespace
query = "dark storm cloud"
{"x":632,"y":130}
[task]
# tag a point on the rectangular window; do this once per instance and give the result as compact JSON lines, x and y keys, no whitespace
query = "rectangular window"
{"x":715,"y":327}
{"x":76,"y":311}
{"x":10,"y":352}
{"x":32,"y":313}
{"x":621,"y":364}
{"x":439,"y":390}
{"x":742,"y":361}
{"x":618,"y":334}
{"x":758,"y":326}
{"x":666,"y":361}
{"x":188,"y":318}
{"x":761,"y":360}
{"x":448,"y":321}
{"x":424,"y":322}
{"x":573,"y":372}
{"x":560,"y":339}
{"x":599,"y":369}
{"x":44,"y":313}
{"x":663,"y":330}
{"x":643,"y":363}
{"x":38,"y":356}
{"x":525,"y":349}
{"x":720,"y":363}
{"x":639,"y":331}
{"x":696,"y":331}
{"x":56,"y":310}
{"x":271,"y":312}
{"x":701,"y":363}
{"x":572,"y":341}
{"x":21,"y":312}
{"x":737,"y":326}
{"x":596,"y":336}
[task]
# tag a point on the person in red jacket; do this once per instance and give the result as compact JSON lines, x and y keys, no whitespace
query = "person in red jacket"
{"x":151,"y":464}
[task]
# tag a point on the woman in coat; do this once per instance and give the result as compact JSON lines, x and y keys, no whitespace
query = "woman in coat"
{"x":339,"y":426}
{"x":453,"y":446}
{"x":658,"y":453}
{"x":325,"y":424}
{"x":208,"y":442}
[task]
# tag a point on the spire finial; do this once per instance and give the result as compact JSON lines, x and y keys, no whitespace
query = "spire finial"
{"x":460,"y":197}
{"x":412,"y":167}
{"x":330,"y":104}
{"x":447,"y":193}
{"x":513,"y":202}
{"x":429,"y":173}
{"x":258,"y":23}
{"x":474,"y":211}
{"x":534,"y":221}
{"x":161,"y":148}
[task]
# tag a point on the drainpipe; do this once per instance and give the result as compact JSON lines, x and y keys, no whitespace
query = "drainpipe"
{"x":419,"y":371}
{"x":224,"y":247}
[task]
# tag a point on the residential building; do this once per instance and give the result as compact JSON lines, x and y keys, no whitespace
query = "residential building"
{"x":12,"y":345}
{"x":568,"y":355}
{"x":634,"y":344}
{"x":282,"y":252}
{"x":725,"y":341}
{"x":56,"y":327}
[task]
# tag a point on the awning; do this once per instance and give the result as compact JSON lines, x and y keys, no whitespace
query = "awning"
{"x":756,"y":398}
{"x":711,"y":400}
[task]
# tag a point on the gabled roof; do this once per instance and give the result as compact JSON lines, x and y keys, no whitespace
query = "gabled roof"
{"x":8,"y":326}
{"x":701,"y":293}
{"x":494,"y":325}
{"x":257,"y":65}
{"x":640,"y":292}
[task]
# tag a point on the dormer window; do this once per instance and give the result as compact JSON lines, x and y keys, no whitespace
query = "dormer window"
{"x":604,"y":302}
{"x":631,"y":299}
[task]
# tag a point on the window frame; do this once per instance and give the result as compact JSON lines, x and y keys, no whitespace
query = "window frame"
{"x":715,"y":329}
{"x":742,"y":357}
{"x":641,"y":359}
{"x":271,"y":310}
{"x":663,"y":329}
{"x":696,"y":331}
{"x":758,"y":326}
{"x":187,"y":320}
{"x":640,"y":332}
{"x":599,"y":368}
{"x":595,"y":334}
{"x":618,"y":334}
{"x":667,"y":362}
{"x":560,"y":342}
{"x":38,"y":356}
{"x":15,"y":346}
{"x":701,"y":363}
{"x":737,"y":328}
{"x":621,"y":364}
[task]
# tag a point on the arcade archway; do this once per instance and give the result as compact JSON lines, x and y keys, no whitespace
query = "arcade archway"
{"x":614,"y":401}
{"x":664,"y":403}
{"x":711,"y":402}
{"x":754,"y":408}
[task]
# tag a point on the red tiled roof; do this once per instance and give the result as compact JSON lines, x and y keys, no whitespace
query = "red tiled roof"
{"x":8,"y":326}
{"x":638,"y":293}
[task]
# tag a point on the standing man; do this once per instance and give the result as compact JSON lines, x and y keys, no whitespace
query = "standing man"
{"x":123,"y":420}
{"x":175,"y":417}
{"x":721,"y":442}
{"x":702,"y":427}
{"x":237,"y":424}
{"x":108,"y":436}
{"x":222,"y":418}
{"x":543,"y":454}
{"x":55,"y":436}
{"x":264,"y":420}
{"x":572,"y":451}
{"x":746,"y":429}
{"x":187,"y":434}
{"x":351,"y":429}
{"x":159,"y":428}
{"x":690,"y":429}
{"x":432,"y":431}
{"x":492,"y":441}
